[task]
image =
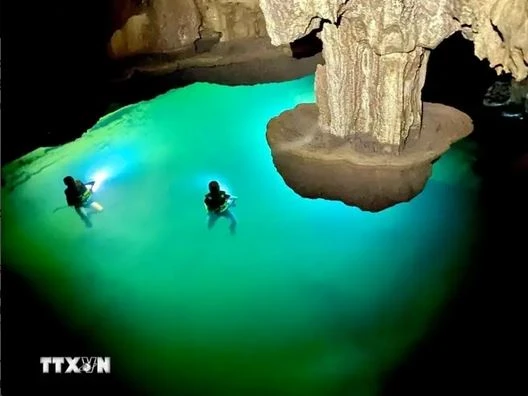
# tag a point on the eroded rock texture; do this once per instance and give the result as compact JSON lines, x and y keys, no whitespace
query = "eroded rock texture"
{"x":232,"y":19}
{"x":320,"y":165}
{"x":154,"y":26}
{"x":499,"y":29}
{"x":168,"y":26}
{"x":376,"y":56}
{"x":369,"y":90}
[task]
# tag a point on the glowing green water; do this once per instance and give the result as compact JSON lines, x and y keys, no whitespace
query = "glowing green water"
{"x":309,"y":297}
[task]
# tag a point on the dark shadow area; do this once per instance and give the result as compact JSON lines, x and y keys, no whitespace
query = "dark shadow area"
{"x":30,"y":330}
{"x":479,"y":343}
{"x":456,"y":77}
{"x":54,"y":66}
{"x":307,"y":46}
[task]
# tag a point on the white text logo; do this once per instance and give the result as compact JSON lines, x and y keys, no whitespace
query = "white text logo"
{"x":76,"y":365}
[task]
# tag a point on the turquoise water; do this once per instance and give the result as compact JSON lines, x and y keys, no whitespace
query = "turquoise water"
{"x":309,"y":296}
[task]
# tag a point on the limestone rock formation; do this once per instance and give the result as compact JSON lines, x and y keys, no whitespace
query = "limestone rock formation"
{"x":233,"y":20}
{"x":221,"y":41}
{"x":155,"y":26}
{"x":499,"y":29}
{"x":168,"y":26}
{"x":369,"y":90}
{"x":320,"y":165}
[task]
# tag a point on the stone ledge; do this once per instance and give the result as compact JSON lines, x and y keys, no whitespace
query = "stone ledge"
{"x":317,"y":165}
{"x":257,"y":55}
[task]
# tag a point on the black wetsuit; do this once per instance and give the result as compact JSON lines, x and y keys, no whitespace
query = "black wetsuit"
{"x":215,"y":202}
{"x":78,"y":196}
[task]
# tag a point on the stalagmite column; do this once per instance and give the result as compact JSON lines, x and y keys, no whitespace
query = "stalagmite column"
{"x":373,"y":98}
{"x":375,"y":63}
{"x":374,"y":140}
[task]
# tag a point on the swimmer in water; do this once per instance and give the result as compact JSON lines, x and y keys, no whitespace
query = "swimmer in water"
{"x":79,"y":196}
{"x":218,"y":204}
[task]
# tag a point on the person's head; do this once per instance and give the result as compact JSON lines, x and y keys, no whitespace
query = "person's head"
{"x":69,"y":181}
{"x":214,"y":187}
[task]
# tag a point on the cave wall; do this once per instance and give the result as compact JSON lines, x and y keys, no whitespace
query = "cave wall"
{"x":153,"y":26}
{"x":499,"y":31}
{"x":232,"y":19}
{"x":163,"y":26}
